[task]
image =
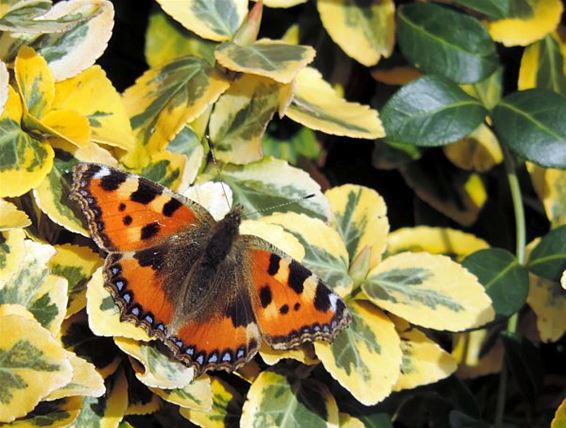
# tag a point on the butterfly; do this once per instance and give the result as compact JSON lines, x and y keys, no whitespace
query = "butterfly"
{"x":208,"y":293}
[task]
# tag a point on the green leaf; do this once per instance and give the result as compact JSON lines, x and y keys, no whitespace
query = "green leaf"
{"x":302,"y":143}
{"x":495,"y":9}
{"x":548,"y":258}
{"x":524,"y":362}
{"x":505,"y":280}
{"x":431,"y":111}
{"x":532,"y":123}
{"x":428,"y":39}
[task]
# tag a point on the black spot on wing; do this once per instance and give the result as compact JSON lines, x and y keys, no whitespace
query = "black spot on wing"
{"x":149,"y":231}
{"x":146,"y":192}
{"x":265,"y":296}
{"x":297,"y":276}
{"x":322,"y":297}
{"x":284,"y":309}
{"x":127,"y":220}
{"x":297,"y":306}
{"x":170,"y":207}
{"x":122,"y":206}
{"x":113,"y":180}
{"x":240,"y":312}
{"x":273,"y":268}
{"x":151,"y":257}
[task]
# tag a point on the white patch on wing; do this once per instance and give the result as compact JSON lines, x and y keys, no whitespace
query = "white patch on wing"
{"x":103,"y":172}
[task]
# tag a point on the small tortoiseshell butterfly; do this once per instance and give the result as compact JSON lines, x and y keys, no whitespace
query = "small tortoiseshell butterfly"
{"x":208,"y":293}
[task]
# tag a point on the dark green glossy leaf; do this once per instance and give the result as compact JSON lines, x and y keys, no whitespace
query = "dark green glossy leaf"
{"x":495,"y":9}
{"x":505,"y":280}
{"x":431,"y":111}
{"x":548,"y":259}
{"x":532,"y":124}
{"x":439,"y":40}
{"x":524,"y":363}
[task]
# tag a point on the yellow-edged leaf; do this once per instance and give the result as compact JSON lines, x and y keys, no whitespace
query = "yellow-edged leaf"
{"x":92,"y":95}
{"x":67,"y":125}
{"x":53,"y":414}
{"x":282,"y":3}
{"x":163,"y":100}
{"x":480,"y":151}
{"x":275,"y":59}
{"x":349,"y":421}
{"x":559,"y":420}
{"x":86,"y":380}
{"x":76,"y":264}
{"x":360,"y":216}
{"x":240,"y":118}
{"x":366,"y":357}
{"x":12,"y":250}
{"x":304,"y":354}
{"x":33,"y":364}
{"x":35,"y":82}
{"x":429,"y":290}
{"x":365,"y":31}
{"x":157,"y":370}
{"x":435,"y":240}
{"x":317,"y":106}
{"x":104,"y":314}
{"x":325,"y":252}
{"x":25,"y":161}
{"x":11,"y":217}
{"x":196,"y":396}
{"x":424,"y":362}
{"x":213,"y":20}
{"x":277,"y":400}
{"x":4,"y":83}
{"x":478,"y":353}
{"x":550,"y":185}
{"x":537,"y":18}
{"x":225,"y":410}
{"x":142,"y":402}
{"x":548,"y":301}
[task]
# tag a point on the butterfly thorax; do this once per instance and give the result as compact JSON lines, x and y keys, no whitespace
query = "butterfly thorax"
{"x":222,"y":239}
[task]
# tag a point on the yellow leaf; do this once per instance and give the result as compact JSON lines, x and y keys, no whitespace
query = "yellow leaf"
{"x":559,"y":420}
{"x":349,"y":421}
{"x":360,"y":216}
{"x":211,"y":20}
{"x":365,"y":358}
{"x":196,"y":396}
{"x":477,"y":353}
{"x":275,"y":59}
{"x":548,"y":301}
{"x":550,"y":186}
{"x":276,"y":235}
{"x":86,"y":380}
{"x":59,"y":414}
{"x":12,"y":252}
{"x":11,"y":217}
{"x":317,"y":106}
{"x":4,"y":83}
{"x":104,"y":314}
{"x":435,"y":240}
{"x":282,"y":3}
{"x":429,"y":290}
{"x":35,"y":82}
{"x":67,"y":125}
{"x":304,"y":354}
{"x":365,"y":31}
{"x":542,"y":18}
{"x":424,"y":362}
{"x":92,"y":95}
{"x":400,"y":75}
{"x":35,"y":363}
{"x":157,"y":369}
{"x":479,"y":151}
{"x":144,"y":405}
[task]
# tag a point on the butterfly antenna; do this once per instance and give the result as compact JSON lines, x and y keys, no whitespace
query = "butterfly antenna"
{"x":218,"y":172}
{"x":284,"y":204}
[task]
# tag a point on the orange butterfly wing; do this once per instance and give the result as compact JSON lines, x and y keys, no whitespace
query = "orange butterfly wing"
{"x":126,"y":212}
{"x":292,"y":306}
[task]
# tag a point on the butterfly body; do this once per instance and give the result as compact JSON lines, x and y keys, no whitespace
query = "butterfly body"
{"x":210,"y":294}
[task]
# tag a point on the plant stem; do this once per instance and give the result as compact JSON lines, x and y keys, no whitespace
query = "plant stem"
{"x":520,"y":237}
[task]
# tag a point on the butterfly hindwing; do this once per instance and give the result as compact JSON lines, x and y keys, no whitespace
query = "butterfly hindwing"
{"x":126,"y":212}
{"x":291,"y":304}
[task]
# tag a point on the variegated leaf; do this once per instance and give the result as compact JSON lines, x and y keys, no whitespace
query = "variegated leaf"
{"x":365,"y":31}
{"x":275,"y":59}
{"x":548,"y":301}
{"x":240,"y":118}
{"x":304,"y":354}
{"x":225,"y":410}
{"x":317,"y":106}
{"x":269,"y":183}
{"x":86,"y":381}
{"x":141,"y":401}
{"x":325,"y":252}
{"x":434,"y":240}
{"x":158,"y":370}
{"x":196,"y":396}
{"x":169,"y":169}
{"x":12,"y":250}
{"x":559,"y":420}
{"x":52,"y":414}
{"x":284,"y":401}
{"x":32,"y":364}
{"x":211,"y":19}
{"x":366,"y":357}
{"x":187,"y":143}
{"x":360,"y":216}
{"x":480,"y":151}
{"x":163,"y":100}
{"x":165,"y":41}
{"x":301,"y":144}
{"x":11,"y":217}
{"x":429,"y":290}
{"x":550,"y":185}
{"x":534,"y":20}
